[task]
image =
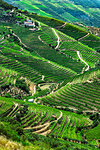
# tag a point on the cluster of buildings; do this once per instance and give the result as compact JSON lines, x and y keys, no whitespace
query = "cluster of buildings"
{"x":21,"y":21}
{"x":29,"y":24}
{"x":8,"y":12}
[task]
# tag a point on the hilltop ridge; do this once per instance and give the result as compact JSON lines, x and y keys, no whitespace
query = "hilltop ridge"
{"x":82,"y":11}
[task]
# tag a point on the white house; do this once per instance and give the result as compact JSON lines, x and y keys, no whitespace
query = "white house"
{"x":31,"y":100}
{"x":29,"y":23}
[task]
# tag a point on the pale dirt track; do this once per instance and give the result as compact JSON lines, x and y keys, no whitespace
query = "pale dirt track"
{"x":44,"y":126}
{"x":78,"y":53}
{"x":58,"y":41}
{"x":83,"y":37}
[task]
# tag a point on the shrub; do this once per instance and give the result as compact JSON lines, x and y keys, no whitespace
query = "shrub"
{"x":6,"y":129}
{"x":7,"y":95}
{"x":20,"y":83}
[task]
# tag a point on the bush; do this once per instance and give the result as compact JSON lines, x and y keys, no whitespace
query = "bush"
{"x":6,"y":129}
{"x":20,"y":131}
{"x":20,"y":83}
{"x":7,"y":95}
{"x":41,"y":93}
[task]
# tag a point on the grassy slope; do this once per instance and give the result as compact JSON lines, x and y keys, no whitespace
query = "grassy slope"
{"x":6,"y":144}
{"x":65,"y":10}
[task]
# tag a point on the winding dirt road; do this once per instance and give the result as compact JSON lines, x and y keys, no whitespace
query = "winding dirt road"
{"x":78,"y":53}
{"x":43,"y":128}
{"x":58,"y":41}
{"x":39,"y":37}
{"x":20,"y":40}
{"x":60,"y":116}
{"x":61,"y":26}
{"x":83,"y":37}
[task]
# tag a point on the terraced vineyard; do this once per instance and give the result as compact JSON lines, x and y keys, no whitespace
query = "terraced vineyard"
{"x":7,"y":76}
{"x":77,"y":32}
{"x":92,"y":41}
{"x":37,"y":66}
{"x":67,"y":127}
{"x":79,"y":96}
{"x":49,"y":36}
{"x":45,"y":121}
{"x":32,"y":40}
{"x":70,"y":47}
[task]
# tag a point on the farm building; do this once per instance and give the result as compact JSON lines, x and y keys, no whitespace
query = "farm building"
{"x":29,"y":23}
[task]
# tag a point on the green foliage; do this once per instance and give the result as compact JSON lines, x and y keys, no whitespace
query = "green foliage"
{"x":9,"y":131}
{"x":39,"y":61}
{"x":8,"y":95}
{"x":92,"y":41}
{"x":93,"y":133}
{"x":41,"y":93}
{"x":20,"y":83}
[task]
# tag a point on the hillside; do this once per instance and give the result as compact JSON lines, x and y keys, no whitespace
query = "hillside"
{"x":49,"y":83}
{"x":86,"y":12}
{"x":42,"y":120}
{"x":81,"y":94}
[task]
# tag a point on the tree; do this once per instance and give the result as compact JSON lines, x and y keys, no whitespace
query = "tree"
{"x":18,"y":117}
{"x":36,"y":23}
{"x":20,"y":131}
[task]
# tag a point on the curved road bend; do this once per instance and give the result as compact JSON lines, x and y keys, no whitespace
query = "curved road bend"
{"x":78,"y":53}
